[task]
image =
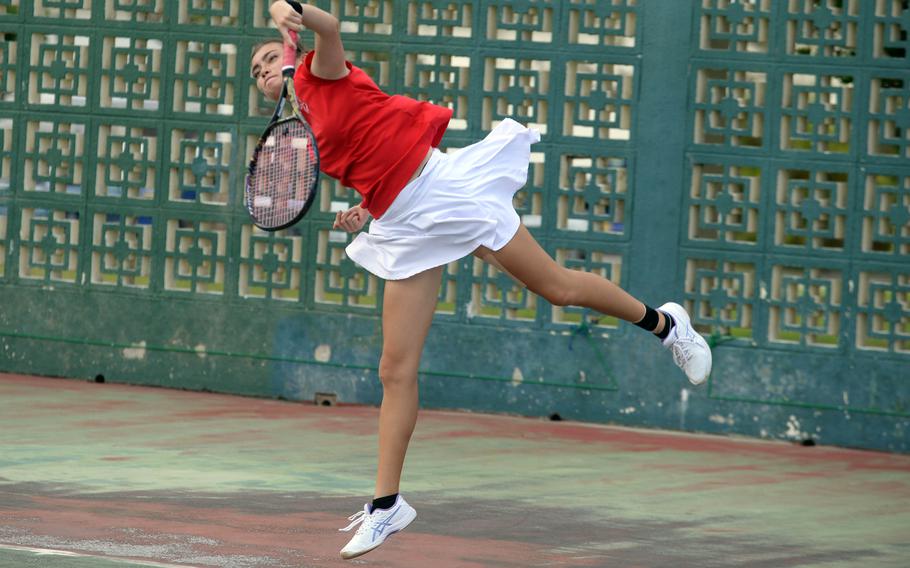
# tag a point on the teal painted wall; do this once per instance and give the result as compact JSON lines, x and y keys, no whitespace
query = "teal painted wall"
{"x":751,"y":159}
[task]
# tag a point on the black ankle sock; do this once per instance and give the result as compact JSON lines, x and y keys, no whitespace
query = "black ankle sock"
{"x":650,"y":321}
{"x":383,"y":502}
{"x":671,"y":323}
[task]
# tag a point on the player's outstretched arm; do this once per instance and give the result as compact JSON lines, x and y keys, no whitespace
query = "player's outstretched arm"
{"x":329,"y":60}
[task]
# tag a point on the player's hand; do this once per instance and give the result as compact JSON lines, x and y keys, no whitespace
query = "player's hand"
{"x":286,"y":18}
{"x":351,"y":220}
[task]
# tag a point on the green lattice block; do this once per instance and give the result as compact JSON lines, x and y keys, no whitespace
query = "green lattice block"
{"x":63,"y":9}
{"x":889,"y":117}
{"x":205,"y":73}
{"x":735,"y":26}
{"x":4,"y":235}
{"x":363,"y":17}
{"x":533,"y":202}
{"x":49,"y":245}
{"x":891,"y":32}
{"x":131,"y":74}
{"x":721,"y":293}
{"x":725,"y":202}
{"x":377,"y":63}
{"x":135,"y":11}
{"x":886,"y":213}
{"x":208,"y":12}
{"x":730,"y":107}
{"x":437,"y":19}
{"x":9,"y":52}
{"x":54,"y":157}
{"x":603,"y":24}
{"x":199,"y":165}
{"x":261,"y":16}
{"x":517,"y":88}
{"x":122,"y":249}
{"x":59,"y":70}
{"x":271,"y":264}
{"x":590,"y":257}
{"x":128,"y":165}
{"x":806,"y":304}
{"x":812,"y":208}
{"x":333,"y":197}
{"x":817,"y":113}
{"x":599,"y":97}
{"x":497,"y":298}
{"x":10,"y":8}
{"x":195,"y":256}
{"x":443,"y":79}
{"x":337,"y":280}
{"x":526,"y":21}
{"x":823,"y":28}
{"x":7,"y":154}
{"x":593,"y":194}
{"x":883,"y":310}
{"x":447,"y":304}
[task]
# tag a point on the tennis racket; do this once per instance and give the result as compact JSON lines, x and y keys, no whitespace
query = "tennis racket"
{"x":284,"y":170}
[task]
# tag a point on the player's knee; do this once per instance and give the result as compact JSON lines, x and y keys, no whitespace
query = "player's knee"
{"x":553,"y":293}
{"x":560,"y":291}
{"x":395,"y":371}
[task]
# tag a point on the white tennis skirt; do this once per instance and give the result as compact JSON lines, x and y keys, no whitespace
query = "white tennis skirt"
{"x":460,"y":201}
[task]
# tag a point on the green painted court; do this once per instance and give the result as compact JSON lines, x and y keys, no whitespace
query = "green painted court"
{"x":122,"y":475}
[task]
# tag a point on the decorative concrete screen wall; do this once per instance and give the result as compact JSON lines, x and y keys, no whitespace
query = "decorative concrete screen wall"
{"x":748,"y":158}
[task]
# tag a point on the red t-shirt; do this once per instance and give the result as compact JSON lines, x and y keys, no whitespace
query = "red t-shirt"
{"x":368,"y":140}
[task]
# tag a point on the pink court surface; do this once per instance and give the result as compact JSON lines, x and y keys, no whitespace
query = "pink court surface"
{"x":102,"y":475}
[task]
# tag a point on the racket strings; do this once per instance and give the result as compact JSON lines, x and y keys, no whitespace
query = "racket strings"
{"x":283,"y":178}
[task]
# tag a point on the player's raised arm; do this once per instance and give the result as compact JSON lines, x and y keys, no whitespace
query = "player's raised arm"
{"x":329,"y":60}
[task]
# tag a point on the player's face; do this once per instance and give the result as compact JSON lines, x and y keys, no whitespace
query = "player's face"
{"x":266,"y":69}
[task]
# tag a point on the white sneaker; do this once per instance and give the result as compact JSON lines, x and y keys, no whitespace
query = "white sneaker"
{"x":376,"y":527}
{"x":690,"y":350}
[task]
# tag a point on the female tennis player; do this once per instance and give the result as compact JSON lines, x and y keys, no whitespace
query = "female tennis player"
{"x":430,"y":208}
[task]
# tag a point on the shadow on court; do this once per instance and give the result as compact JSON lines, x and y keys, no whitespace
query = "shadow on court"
{"x":96,"y":476}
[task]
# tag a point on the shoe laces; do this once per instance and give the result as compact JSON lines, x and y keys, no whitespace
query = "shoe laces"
{"x":682,"y":350}
{"x":362,"y":518}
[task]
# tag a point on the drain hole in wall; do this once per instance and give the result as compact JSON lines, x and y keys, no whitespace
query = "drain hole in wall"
{"x":555,"y":417}
{"x":325,"y":399}
{"x":99,"y":379}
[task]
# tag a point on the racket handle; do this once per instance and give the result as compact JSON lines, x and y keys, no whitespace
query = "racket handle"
{"x":290,"y":55}
{"x":290,"y":52}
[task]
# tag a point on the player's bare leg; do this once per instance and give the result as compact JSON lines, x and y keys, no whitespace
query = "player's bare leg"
{"x":407,"y":312}
{"x":524,"y":259}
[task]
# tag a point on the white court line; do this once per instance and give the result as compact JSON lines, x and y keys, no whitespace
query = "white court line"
{"x":53,"y":552}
